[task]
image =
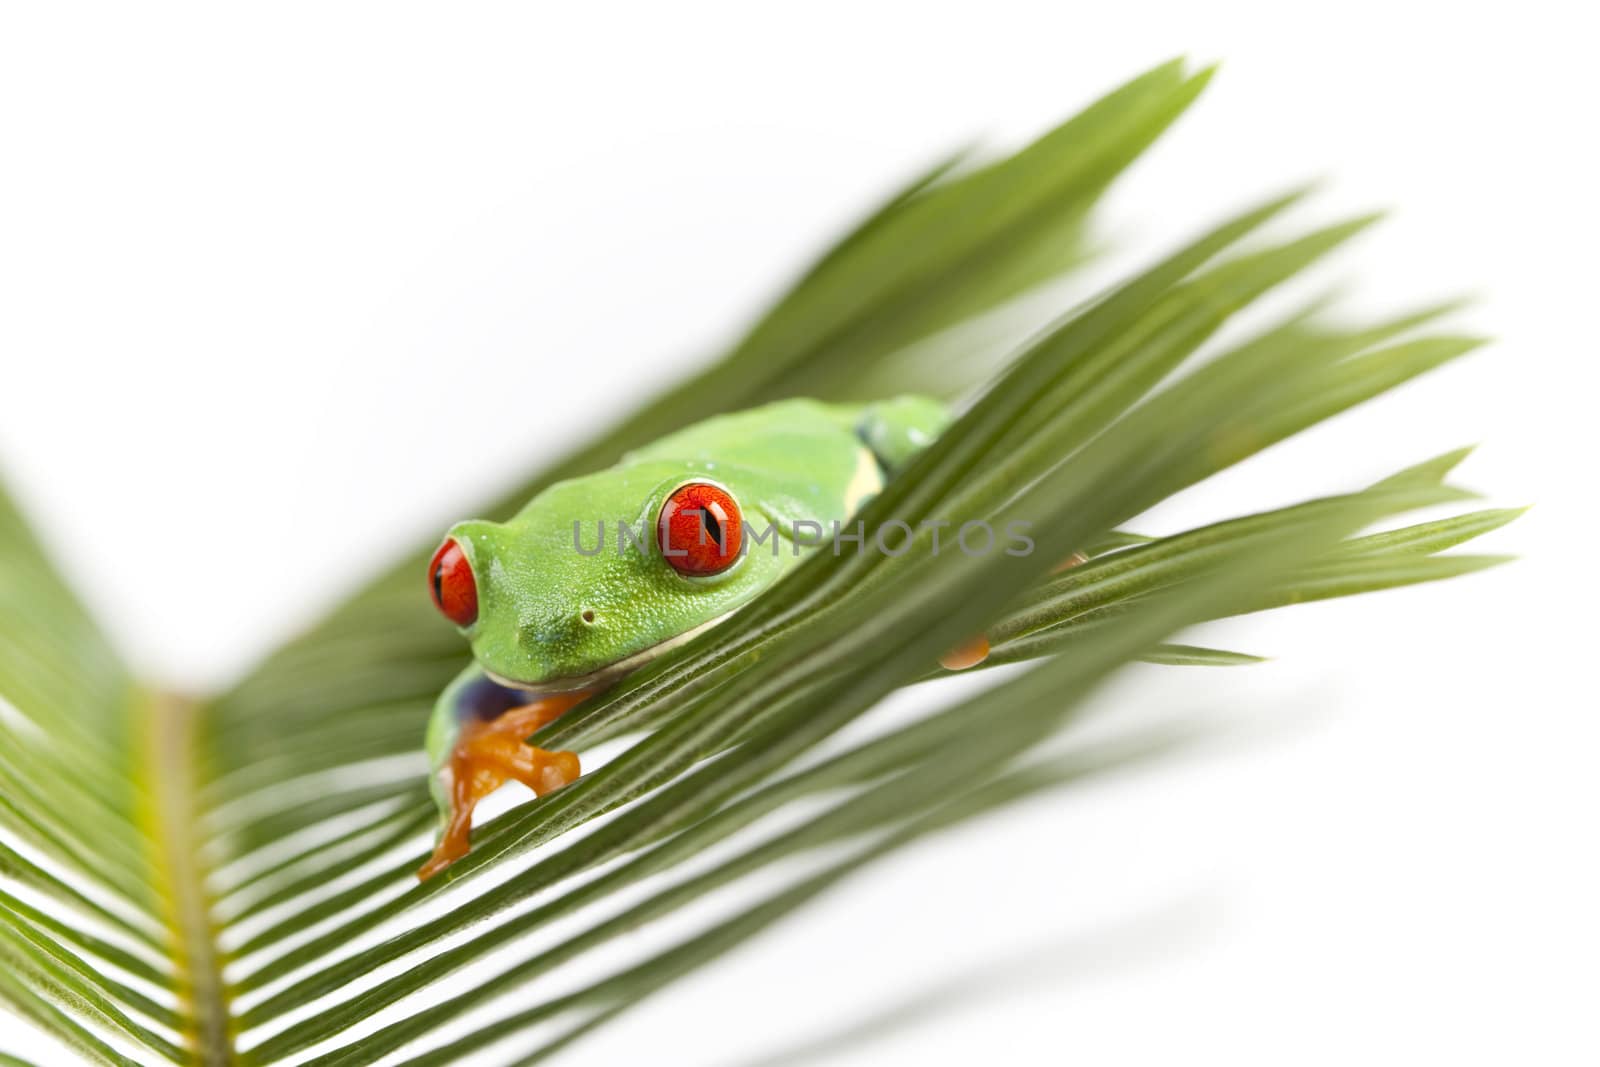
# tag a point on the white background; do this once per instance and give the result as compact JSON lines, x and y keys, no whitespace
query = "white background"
{"x":285,"y":286}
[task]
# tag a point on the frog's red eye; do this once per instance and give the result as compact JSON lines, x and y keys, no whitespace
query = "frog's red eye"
{"x":450,"y":580}
{"x":700,"y":530}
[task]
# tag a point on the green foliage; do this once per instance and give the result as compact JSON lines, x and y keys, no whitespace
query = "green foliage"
{"x":230,"y":881}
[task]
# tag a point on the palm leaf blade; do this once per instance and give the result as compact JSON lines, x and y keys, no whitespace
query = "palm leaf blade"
{"x":229,"y":881}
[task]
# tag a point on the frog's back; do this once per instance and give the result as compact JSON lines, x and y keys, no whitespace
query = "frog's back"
{"x":798,"y":436}
{"x":802,"y":459}
{"x":801,"y":435}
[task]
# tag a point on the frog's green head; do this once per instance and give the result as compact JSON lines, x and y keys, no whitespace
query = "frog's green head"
{"x":548,"y":603}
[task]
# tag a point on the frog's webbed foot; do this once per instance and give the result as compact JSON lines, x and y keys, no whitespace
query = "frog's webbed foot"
{"x":487,"y":752}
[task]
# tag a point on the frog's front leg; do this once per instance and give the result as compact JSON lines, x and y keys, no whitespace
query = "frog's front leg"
{"x":476,"y":743}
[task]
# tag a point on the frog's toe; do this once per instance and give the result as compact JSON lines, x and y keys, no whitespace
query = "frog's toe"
{"x":967,"y":654}
{"x":455,"y":838}
{"x":556,"y":770}
{"x":539,"y":769}
{"x":445,"y":853}
{"x":1074,"y":560}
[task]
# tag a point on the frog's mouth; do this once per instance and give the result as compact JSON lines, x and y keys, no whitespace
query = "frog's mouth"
{"x":611,"y":673}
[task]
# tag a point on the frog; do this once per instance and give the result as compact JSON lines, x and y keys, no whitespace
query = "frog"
{"x":598,"y":575}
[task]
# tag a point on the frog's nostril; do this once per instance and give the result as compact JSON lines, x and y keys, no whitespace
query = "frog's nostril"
{"x":587,"y":616}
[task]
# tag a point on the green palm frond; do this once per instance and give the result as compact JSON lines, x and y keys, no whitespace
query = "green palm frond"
{"x":228,"y":880}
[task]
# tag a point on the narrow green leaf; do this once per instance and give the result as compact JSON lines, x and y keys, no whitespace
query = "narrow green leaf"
{"x":1430,"y":537}
{"x":1366,"y":575}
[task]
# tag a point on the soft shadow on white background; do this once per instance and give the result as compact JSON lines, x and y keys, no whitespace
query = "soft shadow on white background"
{"x":288,"y":287}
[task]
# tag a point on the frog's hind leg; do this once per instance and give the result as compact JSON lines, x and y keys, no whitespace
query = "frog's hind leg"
{"x":476,"y":744}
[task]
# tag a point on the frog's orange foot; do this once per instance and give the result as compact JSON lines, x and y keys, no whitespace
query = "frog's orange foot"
{"x":479,"y":767}
{"x":967,"y":654}
{"x":487,"y":755}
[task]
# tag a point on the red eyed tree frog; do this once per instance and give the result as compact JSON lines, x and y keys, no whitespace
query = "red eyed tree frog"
{"x":597,"y":575}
